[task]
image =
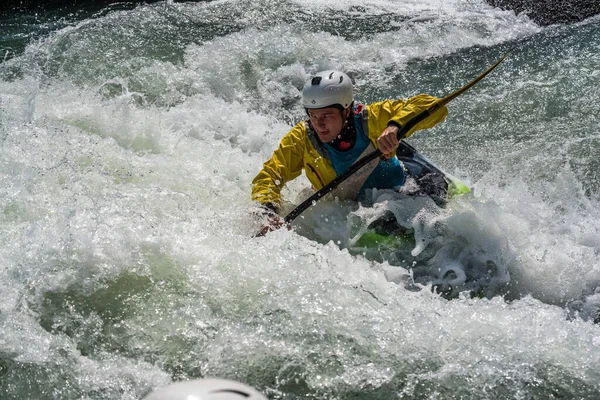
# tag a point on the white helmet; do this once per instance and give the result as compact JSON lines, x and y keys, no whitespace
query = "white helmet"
{"x":206,"y":389}
{"x":328,"y":88}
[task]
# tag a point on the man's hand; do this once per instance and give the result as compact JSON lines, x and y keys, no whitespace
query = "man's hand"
{"x":388,"y":140}
{"x":273,"y":223}
{"x":270,"y":220}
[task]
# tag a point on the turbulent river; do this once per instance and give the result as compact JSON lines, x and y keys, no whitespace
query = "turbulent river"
{"x":129,"y":138}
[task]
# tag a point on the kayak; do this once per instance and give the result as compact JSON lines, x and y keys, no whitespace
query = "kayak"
{"x":425,"y":172}
{"x":397,"y":227}
{"x":428,"y":180}
{"x":430,"y":228}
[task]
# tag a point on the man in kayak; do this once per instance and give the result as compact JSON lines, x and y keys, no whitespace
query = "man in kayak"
{"x":336,"y":134}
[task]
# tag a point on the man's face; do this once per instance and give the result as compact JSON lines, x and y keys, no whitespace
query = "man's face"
{"x":327,"y":122}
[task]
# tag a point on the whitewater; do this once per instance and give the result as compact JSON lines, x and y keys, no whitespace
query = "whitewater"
{"x":128,"y":142}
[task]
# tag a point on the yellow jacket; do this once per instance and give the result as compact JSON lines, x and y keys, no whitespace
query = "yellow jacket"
{"x":296,"y":152}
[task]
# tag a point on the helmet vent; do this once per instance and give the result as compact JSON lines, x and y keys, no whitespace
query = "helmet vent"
{"x":331,"y":75}
{"x":316,"y":80}
{"x":243,"y":394}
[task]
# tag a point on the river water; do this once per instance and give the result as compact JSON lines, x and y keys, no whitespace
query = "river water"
{"x":128,"y":142}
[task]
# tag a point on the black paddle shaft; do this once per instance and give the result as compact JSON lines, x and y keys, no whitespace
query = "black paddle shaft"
{"x":402,"y":132}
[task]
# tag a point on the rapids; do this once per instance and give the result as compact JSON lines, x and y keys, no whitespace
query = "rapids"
{"x":128,"y":142}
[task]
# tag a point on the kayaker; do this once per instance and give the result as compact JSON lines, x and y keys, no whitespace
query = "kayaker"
{"x":336,"y":134}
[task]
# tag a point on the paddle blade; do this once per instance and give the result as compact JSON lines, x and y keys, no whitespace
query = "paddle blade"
{"x":463,"y":89}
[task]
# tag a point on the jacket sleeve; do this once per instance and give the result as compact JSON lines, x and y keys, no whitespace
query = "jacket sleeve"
{"x":284,"y":165}
{"x":401,"y":111}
